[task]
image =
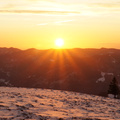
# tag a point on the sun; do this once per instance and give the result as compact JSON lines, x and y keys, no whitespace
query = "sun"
{"x":59,"y":42}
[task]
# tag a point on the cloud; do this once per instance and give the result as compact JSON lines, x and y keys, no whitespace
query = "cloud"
{"x":39,"y":12}
{"x":58,"y":22}
{"x":106,"y":5}
{"x":63,"y":21}
{"x":60,"y":7}
{"x":8,"y":6}
{"x":42,"y":24}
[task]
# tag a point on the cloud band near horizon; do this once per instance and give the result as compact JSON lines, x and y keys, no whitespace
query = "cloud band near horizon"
{"x":39,"y":12}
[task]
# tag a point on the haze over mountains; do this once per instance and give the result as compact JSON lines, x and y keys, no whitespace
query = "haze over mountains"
{"x":82,"y":70}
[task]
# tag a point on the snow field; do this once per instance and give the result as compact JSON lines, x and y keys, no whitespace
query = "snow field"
{"x":45,"y":104}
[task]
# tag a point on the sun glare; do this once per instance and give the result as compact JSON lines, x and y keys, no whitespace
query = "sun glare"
{"x":59,"y":42}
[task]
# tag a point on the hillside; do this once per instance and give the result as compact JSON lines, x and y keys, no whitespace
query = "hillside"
{"x":81,"y":70}
{"x":43,"y":104}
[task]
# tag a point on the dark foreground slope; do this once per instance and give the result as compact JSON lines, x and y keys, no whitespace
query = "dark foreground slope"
{"x":83,"y":70}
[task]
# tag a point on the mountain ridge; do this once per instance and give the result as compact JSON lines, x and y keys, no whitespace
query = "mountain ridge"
{"x":80,"y":70}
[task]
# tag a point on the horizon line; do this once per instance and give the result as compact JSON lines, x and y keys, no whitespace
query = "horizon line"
{"x":57,"y":48}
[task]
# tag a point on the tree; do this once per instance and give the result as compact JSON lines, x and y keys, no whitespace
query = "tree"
{"x":113,"y":88}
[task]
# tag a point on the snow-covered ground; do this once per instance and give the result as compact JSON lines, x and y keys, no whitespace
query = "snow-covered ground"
{"x":42,"y":104}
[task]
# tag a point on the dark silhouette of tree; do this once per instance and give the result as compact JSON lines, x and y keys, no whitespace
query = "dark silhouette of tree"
{"x":113,"y":88}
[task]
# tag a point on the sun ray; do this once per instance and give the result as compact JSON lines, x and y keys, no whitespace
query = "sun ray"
{"x":37,"y":63}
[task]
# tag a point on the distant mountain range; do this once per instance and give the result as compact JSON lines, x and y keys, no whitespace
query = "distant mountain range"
{"x":81,"y":70}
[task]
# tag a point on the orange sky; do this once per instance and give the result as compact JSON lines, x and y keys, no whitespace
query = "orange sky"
{"x":38,"y":23}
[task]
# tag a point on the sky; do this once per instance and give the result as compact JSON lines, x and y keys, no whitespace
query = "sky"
{"x":81,"y":23}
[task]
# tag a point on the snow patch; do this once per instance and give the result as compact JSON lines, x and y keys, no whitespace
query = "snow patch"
{"x":110,"y":95}
{"x":103,"y":74}
{"x":2,"y":80}
{"x":114,"y":61}
{"x":110,"y":74}
{"x":102,"y":79}
{"x":5,"y":82}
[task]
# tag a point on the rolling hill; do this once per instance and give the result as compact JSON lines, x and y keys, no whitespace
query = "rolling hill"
{"x":80,"y":70}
